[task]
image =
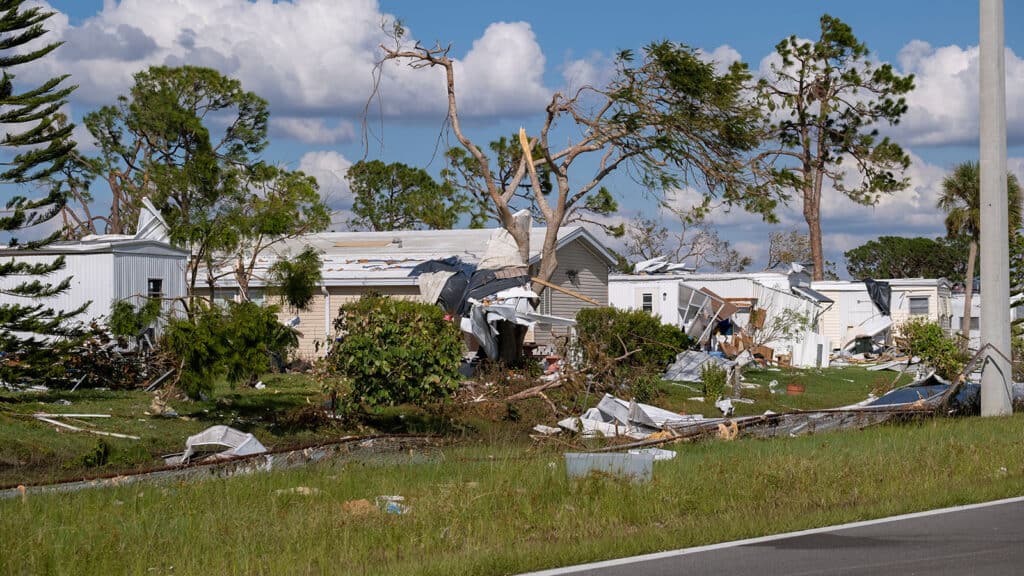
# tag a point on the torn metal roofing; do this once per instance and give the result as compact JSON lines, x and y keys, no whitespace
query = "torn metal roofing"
{"x":387,"y":258}
{"x":811,"y":294}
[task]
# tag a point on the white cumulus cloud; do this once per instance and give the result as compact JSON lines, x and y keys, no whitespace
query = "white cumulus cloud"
{"x":315,"y":131}
{"x":307,"y":57}
{"x":943,"y":107}
{"x":329,"y":168}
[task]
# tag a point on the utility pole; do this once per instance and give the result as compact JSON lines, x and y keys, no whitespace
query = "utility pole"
{"x":996,"y":376}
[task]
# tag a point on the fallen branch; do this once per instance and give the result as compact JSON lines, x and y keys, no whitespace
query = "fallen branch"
{"x":566,"y":291}
{"x":554,"y":409}
{"x":535,"y":392}
{"x":157,"y":382}
{"x":38,"y":414}
{"x":43,"y":418}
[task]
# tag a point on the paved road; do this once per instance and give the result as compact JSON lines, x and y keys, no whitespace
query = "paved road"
{"x":980,"y":540}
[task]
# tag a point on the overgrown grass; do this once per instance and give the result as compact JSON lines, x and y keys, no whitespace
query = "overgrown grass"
{"x":505,"y":510}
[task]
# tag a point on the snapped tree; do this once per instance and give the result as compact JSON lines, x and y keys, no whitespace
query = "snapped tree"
{"x":399,"y":197}
{"x":188,"y":138}
{"x":961,"y":201}
{"x":39,"y":139}
{"x":825,"y":98}
{"x":666,"y":116}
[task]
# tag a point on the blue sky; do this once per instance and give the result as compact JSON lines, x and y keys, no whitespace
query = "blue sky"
{"x":312,"y":60}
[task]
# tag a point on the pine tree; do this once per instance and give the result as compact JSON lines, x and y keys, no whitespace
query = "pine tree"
{"x":37,"y":144}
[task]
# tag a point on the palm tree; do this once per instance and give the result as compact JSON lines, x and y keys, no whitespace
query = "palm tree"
{"x":961,"y":201}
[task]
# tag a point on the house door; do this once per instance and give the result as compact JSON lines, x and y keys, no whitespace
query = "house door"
{"x":860,"y":311}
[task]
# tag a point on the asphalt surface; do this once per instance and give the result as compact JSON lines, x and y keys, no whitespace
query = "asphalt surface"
{"x":981,"y":541}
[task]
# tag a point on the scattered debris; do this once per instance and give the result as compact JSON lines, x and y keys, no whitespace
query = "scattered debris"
{"x":300,"y":490}
{"x":260,"y":385}
{"x":728,"y":430}
{"x":49,"y":419}
{"x":725,"y":405}
{"x":158,"y":407}
{"x":158,"y":381}
{"x":237,"y":443}
{"x":492,"y":300}
{"x":349,"y":448}
{"x":361,"y":507}
{"x":546,"y":430}
{"x":688,"y":366}
{"x":615,"y":417}
{"x":392,"y":504}
{"x":659,"y":454}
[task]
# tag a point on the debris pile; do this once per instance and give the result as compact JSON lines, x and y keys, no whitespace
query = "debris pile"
{"x":616,"y":417}
{"x":493,"y":300}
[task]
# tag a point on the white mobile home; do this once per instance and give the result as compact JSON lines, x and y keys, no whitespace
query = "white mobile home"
{"x":854,"y":313}
{"x":103,"y":270}
{"x":355,"y":263}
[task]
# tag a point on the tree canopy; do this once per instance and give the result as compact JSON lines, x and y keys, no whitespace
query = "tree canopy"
{"x":694,"y":241}
{"x":899,"y":257}
{"x":400,"y":197}
{"x":826,"y":98}
{"x":666,"y":117}
{"x":961,"y":201}
{"x":189,"y":139}
{"x":38,"y":137}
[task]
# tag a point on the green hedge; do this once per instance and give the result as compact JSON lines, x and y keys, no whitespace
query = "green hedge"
{"x":396,"y":351}
{"x":613,"y":332}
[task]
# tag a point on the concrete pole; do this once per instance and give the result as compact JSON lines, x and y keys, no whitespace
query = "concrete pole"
{"x":996,"y":375}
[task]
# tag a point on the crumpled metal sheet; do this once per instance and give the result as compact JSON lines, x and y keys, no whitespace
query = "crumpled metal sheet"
{"x":616,"y":417}
{"x":689,"y":364}
{"x":236,"y":442}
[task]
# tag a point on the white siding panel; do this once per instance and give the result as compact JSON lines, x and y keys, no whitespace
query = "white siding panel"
{"x":91,"y":280}
{"x":133,"y":271}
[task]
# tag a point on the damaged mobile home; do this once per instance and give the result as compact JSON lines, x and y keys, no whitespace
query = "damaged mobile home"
{"x":775,"y":316}
{"x":782,"y":318}
{"x":412,"y":264}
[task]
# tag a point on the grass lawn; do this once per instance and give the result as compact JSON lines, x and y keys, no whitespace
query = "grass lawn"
{"x":825,"y":388}
{"x":499,"y":510}
{"x":33,"y":451}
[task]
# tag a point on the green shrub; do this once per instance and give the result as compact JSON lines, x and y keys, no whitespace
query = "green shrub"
{"x":296,"y":279}
{"x":97,"y":456}
{"x":928,"y":341}
{"x":395,"y":351}
{"x":126,"y":320}
{"x":713,"y":380}
{"x":609,"y":332}
{"x":234,"y":342}
{"x":643,"y":385}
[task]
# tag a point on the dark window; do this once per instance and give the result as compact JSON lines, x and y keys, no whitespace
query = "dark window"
{"x":647,"y":302}
{"x":918,"y":305}
{"x":974,"y":323}
{"x":155,"y":288}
